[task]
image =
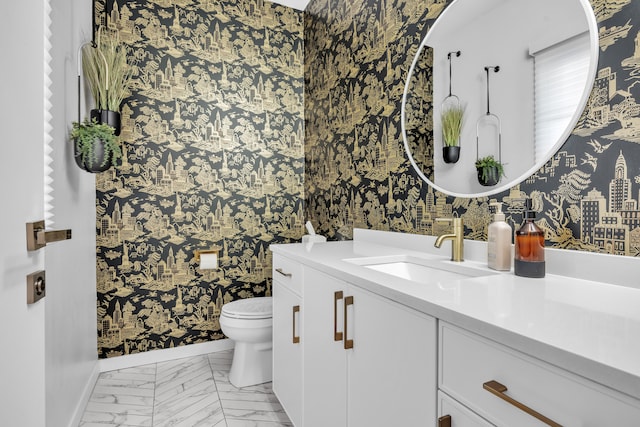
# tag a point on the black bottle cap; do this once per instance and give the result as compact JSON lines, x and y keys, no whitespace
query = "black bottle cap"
{"x":529,"y":213}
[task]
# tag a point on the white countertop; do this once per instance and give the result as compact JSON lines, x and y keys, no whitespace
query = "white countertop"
{"x":588,"y":327}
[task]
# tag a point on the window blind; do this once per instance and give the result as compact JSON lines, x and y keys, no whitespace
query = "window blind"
{"x":560,"y":71}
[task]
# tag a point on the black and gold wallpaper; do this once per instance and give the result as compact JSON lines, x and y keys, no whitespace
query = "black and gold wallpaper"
{"x":357,"y":55}
{"x":213,"y":137}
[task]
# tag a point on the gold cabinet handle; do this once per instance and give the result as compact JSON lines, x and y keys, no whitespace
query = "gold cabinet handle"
{"x":279,"y":270}
{"x":444,"y":421}
{"x":296,"y":338}
{"x":499,"y":390}
{"x":337,"y":336}
{"x":347,"y":342}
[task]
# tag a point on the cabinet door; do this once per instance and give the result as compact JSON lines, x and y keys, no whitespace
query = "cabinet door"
{"x":392,"y":366}
{"x":287,"y":351}
{"x":453,"y":414}
{"x":324,"y":360}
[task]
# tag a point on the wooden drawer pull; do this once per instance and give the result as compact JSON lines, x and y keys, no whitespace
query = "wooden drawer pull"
{"x":337,"y":295}
{"x":347,"y":342}
{"x":279,"y":270}
{"x":296,"y":338}
{"x":499,"y":390}
{"x":444,"y":421}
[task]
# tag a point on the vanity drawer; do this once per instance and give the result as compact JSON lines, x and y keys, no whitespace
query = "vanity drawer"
{"x":288,"y":273}
{"x":453,"y":414}
{"x":468,"y":362}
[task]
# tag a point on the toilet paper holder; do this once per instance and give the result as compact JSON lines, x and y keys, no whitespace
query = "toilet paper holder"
{"x":207,"y":259}
{"x":198,"y":252}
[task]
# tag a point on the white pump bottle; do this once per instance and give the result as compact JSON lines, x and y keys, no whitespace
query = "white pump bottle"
{"x":499,"y":239}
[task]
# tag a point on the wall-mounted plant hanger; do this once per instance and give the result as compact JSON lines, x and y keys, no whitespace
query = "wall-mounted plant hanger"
{"x":451,"y":118}
{"x":451,"y":96}
{"x":105,"y":68}
{"x":489,"y":170}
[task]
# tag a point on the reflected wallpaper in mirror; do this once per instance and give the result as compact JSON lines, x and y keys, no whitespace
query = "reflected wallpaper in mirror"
{"x":419,"y":114}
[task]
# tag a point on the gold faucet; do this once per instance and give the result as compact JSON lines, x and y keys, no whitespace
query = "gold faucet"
{"x":456,"y":237}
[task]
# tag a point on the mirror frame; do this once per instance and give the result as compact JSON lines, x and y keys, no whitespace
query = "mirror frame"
{"x":593,"y":69}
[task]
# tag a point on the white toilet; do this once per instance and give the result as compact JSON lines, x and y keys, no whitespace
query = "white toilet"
{"x":249,"y":323}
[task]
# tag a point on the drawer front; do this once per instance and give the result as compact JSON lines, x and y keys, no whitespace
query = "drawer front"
{"x":453,"y":414}
{"x":468,"y":361}
{"x":288,"y":273}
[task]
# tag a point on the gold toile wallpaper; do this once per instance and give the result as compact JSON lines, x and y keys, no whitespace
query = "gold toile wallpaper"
{"x":357,"y":56}
{"x":213,"y":137}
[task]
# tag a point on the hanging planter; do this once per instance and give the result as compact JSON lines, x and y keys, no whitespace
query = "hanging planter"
{"x":490,"y":171}
{"x":450,"y":154}
{"x":107,"y":117}
{"x":451,"y":119}
{"x":104,"y":63}
{"x":105,"y":67}
{"x":96,"y":147}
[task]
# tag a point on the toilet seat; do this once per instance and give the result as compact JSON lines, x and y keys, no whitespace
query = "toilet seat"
{"x":249,"y":308}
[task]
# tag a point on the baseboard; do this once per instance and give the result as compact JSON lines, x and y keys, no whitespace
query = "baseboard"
{"x":84,"y":398}
{"x":156,"y":356}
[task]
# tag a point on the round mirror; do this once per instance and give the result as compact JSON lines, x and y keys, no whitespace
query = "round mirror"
{"x":495,"y":89}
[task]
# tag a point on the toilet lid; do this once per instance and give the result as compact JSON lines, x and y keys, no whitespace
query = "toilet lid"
{"x":249,"y":308}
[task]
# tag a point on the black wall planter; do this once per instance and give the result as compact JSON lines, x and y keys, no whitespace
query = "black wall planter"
{"x":451,"y":154}
{"x":98,"y":149}
{"x":108,"y":117}
{"x":492,"y":178}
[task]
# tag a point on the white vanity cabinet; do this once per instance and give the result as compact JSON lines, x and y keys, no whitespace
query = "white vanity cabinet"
{"x":563,"y":354}
{"x":287,"y":339}
{"x":368,"y":361}
{"x":509,"y":388}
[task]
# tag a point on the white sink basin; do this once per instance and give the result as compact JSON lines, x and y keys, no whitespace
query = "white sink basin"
{"x":420,"y":270}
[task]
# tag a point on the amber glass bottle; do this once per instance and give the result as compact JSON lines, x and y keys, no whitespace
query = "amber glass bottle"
{"x":529,"y":246}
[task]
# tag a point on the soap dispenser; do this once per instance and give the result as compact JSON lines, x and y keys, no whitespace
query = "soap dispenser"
{"x":529,"y":246}
{"x":499,"y":241}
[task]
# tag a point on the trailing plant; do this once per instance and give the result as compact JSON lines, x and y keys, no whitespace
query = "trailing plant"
{"x":488,"y":167}
{"x":106,"y":69}
{"x":89,"y":133}
{"x":452,"y":119}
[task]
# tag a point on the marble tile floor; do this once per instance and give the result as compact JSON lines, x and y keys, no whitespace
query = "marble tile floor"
{"x":190,"y":392}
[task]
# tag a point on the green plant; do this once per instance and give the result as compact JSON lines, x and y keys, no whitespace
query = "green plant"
{"x":106,"y":69}
{"x":452,"y":119}
{"x":89,"y":133}
{"x":488,"y":167}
